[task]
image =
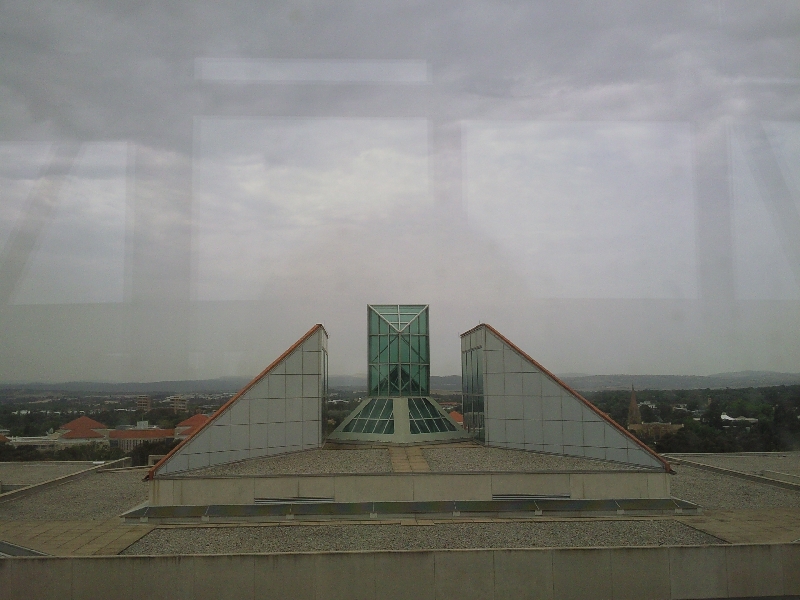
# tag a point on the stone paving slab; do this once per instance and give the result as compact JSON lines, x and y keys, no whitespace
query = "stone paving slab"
{"x":73,"y":538}
{"x":775,"y":525}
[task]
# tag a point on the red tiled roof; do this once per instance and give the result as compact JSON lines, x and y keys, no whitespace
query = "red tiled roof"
{"x":457,"y":417}
{"x":194,"y":421}
{"x":82,"y":433}
{"x":140,"y":434}
{"x":83,"y":422}
{"x":3,"y":439}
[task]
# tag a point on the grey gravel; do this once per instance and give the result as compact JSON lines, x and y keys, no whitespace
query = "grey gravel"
{"x":482,"y":458}
{"x":100,"y":495}
{"x":370,"y":460}
{"x":520,"y":534}
{"x":716,"y":491}
{"x":28,"y":473}
{"x":783,"y":462}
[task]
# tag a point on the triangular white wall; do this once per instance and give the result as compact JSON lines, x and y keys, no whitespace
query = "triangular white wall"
{"x":279,"y":411}
{"x":528,"y":408}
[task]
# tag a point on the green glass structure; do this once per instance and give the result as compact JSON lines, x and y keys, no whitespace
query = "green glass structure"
{"x":399,"y":350}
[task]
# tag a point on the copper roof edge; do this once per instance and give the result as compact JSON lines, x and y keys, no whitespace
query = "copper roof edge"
{"x":555,"y":378}
{"x":152,"y":472}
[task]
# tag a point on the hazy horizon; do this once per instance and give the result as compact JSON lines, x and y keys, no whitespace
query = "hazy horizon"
{"x":185,"y":191}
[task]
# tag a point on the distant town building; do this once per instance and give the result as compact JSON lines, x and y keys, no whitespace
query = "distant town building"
{"x":186,"y":428}
{"x":144,"y":403}
{"x":653,"y":431}
{"x":128,"y":439}
{"x":179,"y":403}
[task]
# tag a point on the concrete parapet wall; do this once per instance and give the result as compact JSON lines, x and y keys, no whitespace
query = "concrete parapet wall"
{"x":407,"y":487}
{"x":562,"y":573}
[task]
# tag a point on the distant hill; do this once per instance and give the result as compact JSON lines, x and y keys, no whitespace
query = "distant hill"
{"x":588,"y":383}
{"x":740,"y":379}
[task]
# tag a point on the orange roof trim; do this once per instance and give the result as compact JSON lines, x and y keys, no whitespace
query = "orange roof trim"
{"x":141,"y":434}
{"x":83,"y":422}
{"x":602,"y":415}
{"x":152,"y":472}
{"x":80,"y":434}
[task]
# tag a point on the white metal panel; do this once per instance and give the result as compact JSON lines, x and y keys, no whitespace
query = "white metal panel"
{"x":259,"y":390}
{"x":595,"y":452}
{"x":493,"y":384}
{"x":279,"y":369}
{"x":573,"y":433}
{"x":311,"y":363}
{"x":615,"y":439}
{"x":550,"y":387}
{"x":492,"y":341}
{"x":495,"y":407}
{"x":464,"y":343}
{"x":311,"y":409}
{"x":552,"y":433}
{"x":257,"y":452}
{"x":276,"y":435}
{"x":532,"y":384}
{"x":528,"y":367}
{"x":499,"y":431}
{"x":217,"y":458}
{"x":311,"y":385}
{"x":294,"y":433}
{"x":294,"y":386}
{"x":571,"y":408}
{"x":258,"y":435}
{"x":294,"y":363}
{"x":514,"y":433}
{"x":575,"y":450}
{"x":220,"y":438}
{"x":311,"y":434}
{"x":198,"y":461}
{"x":617,"y":454}
{"x":589,"y":415}
{"x":512,"y":361}
{"x":512,"y":384}
{"x":276,"y":410}
{"x":294,"y":409}
{"x":594,"y":434}
{"x":178,"y":464}
{"x":240,"y":412}
{"x":514,"y":407}
{"x":199,"y":443}
{"x":494,"y":361}
{"x":533,"y":432}
{"x":240,"y":437}
{"x":551,"y":408}
{"x":532,"y":408}
{"x":534,"y":447}
{"x":277,"y":386}
{"x":553,"y":448}
{"x":258,"y":411}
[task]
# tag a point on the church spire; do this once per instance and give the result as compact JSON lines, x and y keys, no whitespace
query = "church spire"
{"x":634,"y":416}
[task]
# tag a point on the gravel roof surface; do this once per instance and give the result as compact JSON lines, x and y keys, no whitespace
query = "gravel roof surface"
{"x":713,"y":490}
{"x":783,"y":462}
{"x":370,"y":460}
{"x":96,"y":496}
{"x":483,"y":458}
{"x":520,"y":534}
{"x":37,"y":472}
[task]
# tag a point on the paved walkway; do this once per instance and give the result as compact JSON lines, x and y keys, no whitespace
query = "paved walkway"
{"x":73,"y":538}
{"x":408,"y":459}
{"x":765,"y":525}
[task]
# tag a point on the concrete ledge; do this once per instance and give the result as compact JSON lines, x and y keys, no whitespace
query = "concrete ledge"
{"x":731,"y":473}
{"x":38,"y":487}
{"x":667,"y":573}
{"x":404,"y":487}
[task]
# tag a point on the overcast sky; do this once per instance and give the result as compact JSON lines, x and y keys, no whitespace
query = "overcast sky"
{"x":185,"y":189}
